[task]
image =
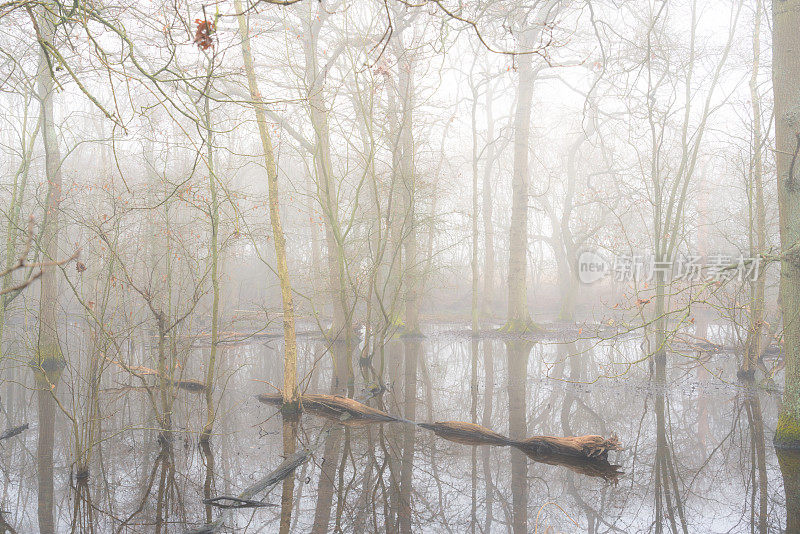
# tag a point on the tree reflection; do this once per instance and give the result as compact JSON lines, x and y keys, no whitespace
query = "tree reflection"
{"x":518,"y":351}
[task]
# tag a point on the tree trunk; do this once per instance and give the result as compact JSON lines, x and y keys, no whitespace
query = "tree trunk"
{"x":328,"y":199}
{"x":758,"y":235}
{"x":488,"y":224}
{"x":786,"y":87}
{"x":214,"y":253}
{"x":290,"y":394}
{"x":49,"y":360}
{"x":518,"y":317}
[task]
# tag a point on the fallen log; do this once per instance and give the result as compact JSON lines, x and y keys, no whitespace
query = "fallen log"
{"x":586,"y":455}
{"x":342,"y":409}
{"x":588,"y":466}
{"x":226,"y":502}
{"x":13,"y":431}
{"x":188,"y":384}
{"x":194,"y":386}
{"x":466,"y":433}
{"x":191,"y":386}
{"x":575,"y":446}
{"x":285,"y":469}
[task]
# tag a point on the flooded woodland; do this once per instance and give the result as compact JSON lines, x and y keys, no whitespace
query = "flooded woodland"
{"x":294,"y":266}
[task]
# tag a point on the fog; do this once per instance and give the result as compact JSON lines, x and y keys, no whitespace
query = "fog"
{"x":436,"y":266}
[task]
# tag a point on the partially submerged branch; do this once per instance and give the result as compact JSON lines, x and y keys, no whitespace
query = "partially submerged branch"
{"x":284,"y":470}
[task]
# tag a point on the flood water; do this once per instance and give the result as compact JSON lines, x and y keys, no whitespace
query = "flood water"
{"x":697,"y":455}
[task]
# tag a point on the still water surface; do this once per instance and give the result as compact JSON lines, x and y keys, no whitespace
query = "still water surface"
{"x":697,"y":454}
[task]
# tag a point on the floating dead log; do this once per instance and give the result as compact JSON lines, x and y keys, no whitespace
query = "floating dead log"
{"x":192,"y":386}
{"x":575,"y":446}
{"x":195,"y":386}
{"x":588,"y":466}
{"x":466,"y":433}
{"x":188,"y":384}
{"x":274,"y":399}
{"x":586,"y":455}
{"x":342,"y":409}
{"x":226,"y":502}
{"x":13,"y":431}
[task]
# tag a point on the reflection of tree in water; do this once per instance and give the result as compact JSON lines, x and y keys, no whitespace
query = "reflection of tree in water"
{"x":789,"y":462}
{"x":412,"y":345}
{"x":577,"y":360}
{"x":373,"y":476}
{"x":668,"y":500}
{"x":517,"y":354}
{"x":333,"y":444}
{"x":162,"y":485}
{"x":758,"y":472}
{"x":289,"y":432}
{"x":83,"y":511}
{"x":486,"y":420}
{"x":208,"y":480}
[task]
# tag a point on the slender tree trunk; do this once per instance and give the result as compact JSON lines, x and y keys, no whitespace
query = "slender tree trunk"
{"x":49,"y":360}
{"x":758,"y":236}
{"x":563,"y":240}
{"x":488,"y":209}
{"x":411,"y":264}
{"x":474,"y":218}
{"x":214,"y":254}
{"x":567,"y":284}
{"x":290,"y":394}
{"x":518,"y":316}
{"x":786,"y":87}
{"x":474,"y":344}
{"x":328,"y":200}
